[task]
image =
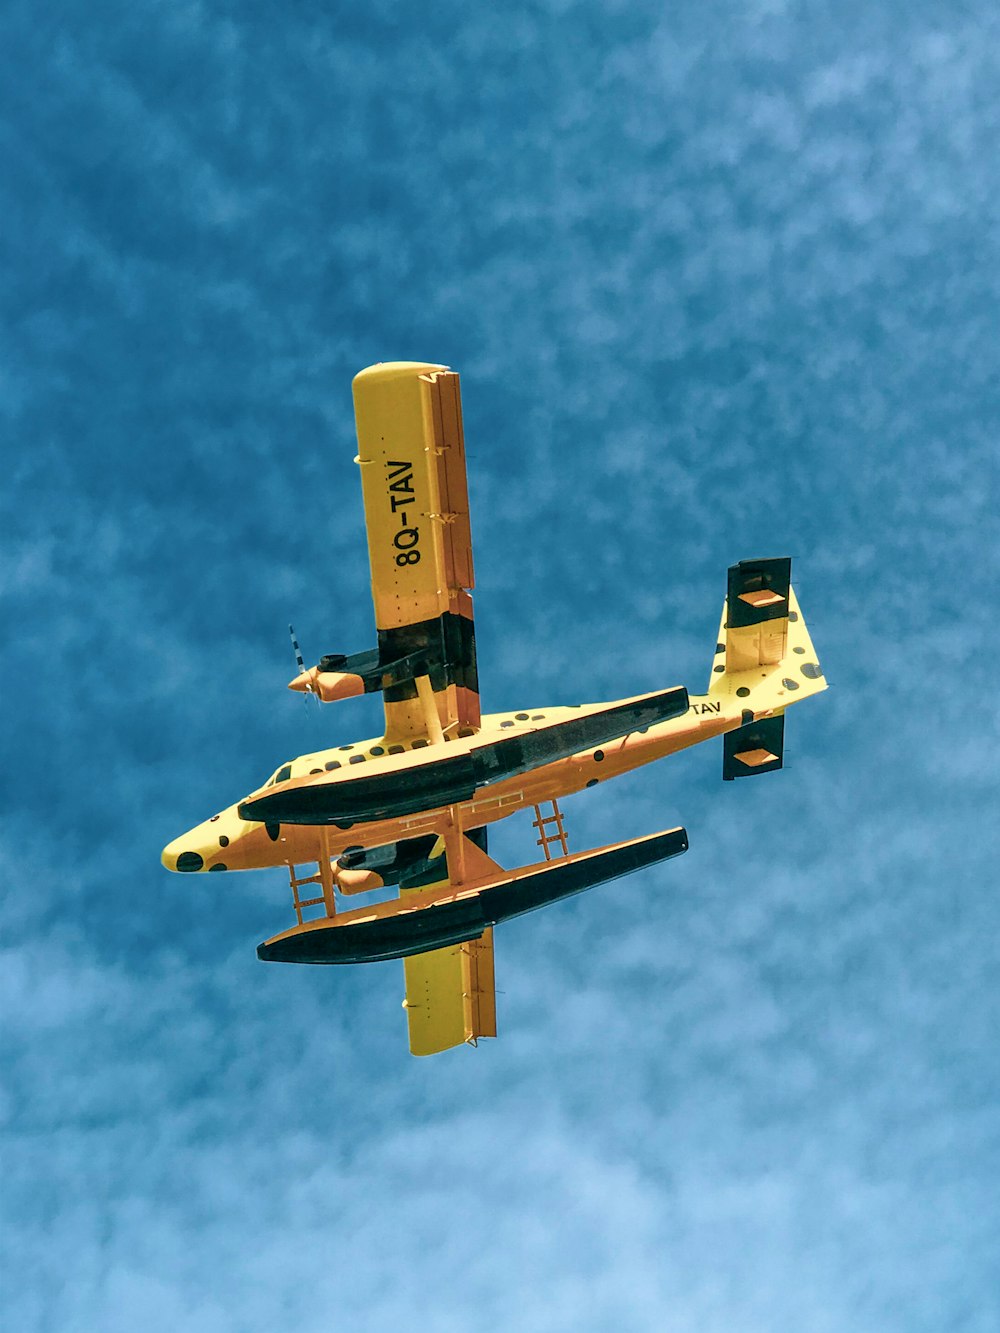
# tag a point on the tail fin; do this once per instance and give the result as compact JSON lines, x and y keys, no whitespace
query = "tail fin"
{"x":764,"y":660}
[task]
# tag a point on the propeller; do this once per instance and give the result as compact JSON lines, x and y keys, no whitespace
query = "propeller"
{"x":301,"y":664}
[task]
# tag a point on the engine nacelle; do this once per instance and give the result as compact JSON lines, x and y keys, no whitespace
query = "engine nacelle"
{"x":361,"y":869}
{"x":412,"y":863}
{"x":336,"y":676}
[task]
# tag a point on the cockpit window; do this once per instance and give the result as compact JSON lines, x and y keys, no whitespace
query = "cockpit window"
{"x":282,"y":775}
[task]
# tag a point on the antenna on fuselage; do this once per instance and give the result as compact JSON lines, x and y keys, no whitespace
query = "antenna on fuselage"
{"x":301,"y":665}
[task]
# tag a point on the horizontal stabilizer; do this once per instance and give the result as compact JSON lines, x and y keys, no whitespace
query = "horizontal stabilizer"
{"x":757,"y":747}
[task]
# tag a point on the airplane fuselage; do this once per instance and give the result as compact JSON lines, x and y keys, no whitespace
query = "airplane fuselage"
{"x":229,"y":842}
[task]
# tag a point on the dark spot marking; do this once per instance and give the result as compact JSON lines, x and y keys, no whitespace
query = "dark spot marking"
{"x":331,"y":764}
{"x":190,"y":861}
{"x":506,"y":724}
{"x":746,"y":716}
{"x":348,"y":824}
{"x":315,"y":770}
{"x":466,"y":731}
{"x":521,"y":717}
{"x":598,"y":755}
{"x":357,"y":759}
{"x":592,"y":782}
{"x":273,"y":831}
{"x":346,"y":747}
{"x":396,"y":749}
{"x":377,"y":749}
{"x":798,"y":650}
{"x":214,"y":818}
{"x":538,"y":717}
{"x":742,"y":692}
{"x":790,"y":684}
{"x":720,"y":647}
{"x":419,"y":745}
{"x":223,"y":840}
{"x":793,"y":615}
{"x":218,"y":866}
{"x":720,"y":667}
{"x":811,"y":671}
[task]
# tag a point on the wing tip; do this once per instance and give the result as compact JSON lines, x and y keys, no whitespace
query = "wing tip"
{"x":395,"y":370}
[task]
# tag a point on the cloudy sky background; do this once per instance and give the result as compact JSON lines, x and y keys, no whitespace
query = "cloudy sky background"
{"x":721,"y":280}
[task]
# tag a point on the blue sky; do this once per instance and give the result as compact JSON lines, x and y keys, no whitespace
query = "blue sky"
{"x":722,"y":281}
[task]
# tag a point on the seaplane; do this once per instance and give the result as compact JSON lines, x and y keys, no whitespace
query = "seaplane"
{"x":403,"y":818}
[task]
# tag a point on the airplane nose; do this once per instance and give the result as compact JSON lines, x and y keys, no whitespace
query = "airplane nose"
{"x":174,"y":858}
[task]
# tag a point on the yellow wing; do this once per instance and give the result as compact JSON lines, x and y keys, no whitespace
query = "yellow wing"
{"x":412,"y":456}
{"x":451,"y":992}
{"x":451,"y":995}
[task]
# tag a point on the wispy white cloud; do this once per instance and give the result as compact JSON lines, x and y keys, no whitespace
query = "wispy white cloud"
{"x":712,"y":295}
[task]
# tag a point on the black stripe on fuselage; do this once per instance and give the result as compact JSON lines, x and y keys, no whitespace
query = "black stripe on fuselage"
{"x":457,"y":778}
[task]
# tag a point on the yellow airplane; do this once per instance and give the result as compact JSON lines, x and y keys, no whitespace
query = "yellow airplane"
{"x":411,"y":808}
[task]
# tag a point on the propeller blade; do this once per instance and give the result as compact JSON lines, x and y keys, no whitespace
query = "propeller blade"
{"x":299,"y":660}
{"x":296,"y":650}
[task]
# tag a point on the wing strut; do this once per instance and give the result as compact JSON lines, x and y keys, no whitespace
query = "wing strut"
{"x":425,"y":694}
